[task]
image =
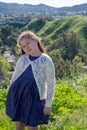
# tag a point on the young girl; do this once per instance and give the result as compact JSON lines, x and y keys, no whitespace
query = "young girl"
{"x":32,"y":84}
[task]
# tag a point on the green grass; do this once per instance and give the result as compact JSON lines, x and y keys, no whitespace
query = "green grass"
{"x":52,"y":29}
{"x":69,"y":107}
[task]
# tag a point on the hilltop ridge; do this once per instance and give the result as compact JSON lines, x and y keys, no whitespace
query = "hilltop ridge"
{"x":41,"y":10}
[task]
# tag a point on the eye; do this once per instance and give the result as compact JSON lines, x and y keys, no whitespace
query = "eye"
{"x":26,"y":45}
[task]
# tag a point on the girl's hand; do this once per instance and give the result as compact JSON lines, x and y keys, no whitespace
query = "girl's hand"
{"x":47,"y":110}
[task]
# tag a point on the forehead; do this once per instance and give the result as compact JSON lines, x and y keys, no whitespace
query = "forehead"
{"x":26,"y":40}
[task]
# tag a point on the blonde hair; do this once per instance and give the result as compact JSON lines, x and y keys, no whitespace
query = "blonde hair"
{"x":31,"y":35}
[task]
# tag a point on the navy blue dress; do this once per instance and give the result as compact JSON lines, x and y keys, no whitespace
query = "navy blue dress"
{"x":23,"y":102}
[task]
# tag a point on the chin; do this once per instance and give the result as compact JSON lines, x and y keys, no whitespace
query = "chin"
{"x":29,"y":53}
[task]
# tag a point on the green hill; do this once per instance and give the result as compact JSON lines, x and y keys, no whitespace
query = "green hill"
{"x":53,"y":29}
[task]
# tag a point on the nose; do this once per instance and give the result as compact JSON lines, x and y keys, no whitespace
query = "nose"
{"x":26,"y":46}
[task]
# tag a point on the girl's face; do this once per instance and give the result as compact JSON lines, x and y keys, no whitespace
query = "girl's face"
{"x":29,"y":46}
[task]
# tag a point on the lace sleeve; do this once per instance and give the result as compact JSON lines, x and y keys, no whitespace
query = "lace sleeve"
{"x":17,"y":70}
{"x":50,"y":80}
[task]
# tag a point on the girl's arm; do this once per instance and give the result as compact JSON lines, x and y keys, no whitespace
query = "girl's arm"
{"x":50,"y":80}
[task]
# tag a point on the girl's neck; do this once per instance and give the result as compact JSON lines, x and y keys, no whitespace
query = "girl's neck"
{"x":37,"y":53}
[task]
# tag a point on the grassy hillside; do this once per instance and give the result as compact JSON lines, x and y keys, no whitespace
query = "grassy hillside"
{"x":35,"y":25}
{"x":52,"y":29}
{"x":68,"y":108}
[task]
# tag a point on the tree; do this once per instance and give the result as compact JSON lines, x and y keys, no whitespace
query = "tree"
{"x":62,"y":68}
{"x":77,"y":65}
{"x":69,"y":45}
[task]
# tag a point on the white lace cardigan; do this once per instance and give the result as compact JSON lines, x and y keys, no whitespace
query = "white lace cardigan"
{"x":44,"y":74}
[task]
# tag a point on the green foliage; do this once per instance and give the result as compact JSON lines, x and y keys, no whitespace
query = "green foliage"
{"x":68,"y":108}
{"x":4,"y":72}
{"x":75,"y":24}
{"x":66,"y":68}
{"x":83,"y":82}
{"x":70,"y":99}
{"x":77,"y":65}
{"x":83,"y":52}
{"x":69,"y":45}
{"x":2,"y":98}
{"x":5,"y":122}
{"x":8,"y":36}
{"x":36,"y":25}
{"x":49,"y":28}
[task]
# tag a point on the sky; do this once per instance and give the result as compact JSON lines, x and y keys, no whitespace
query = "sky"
{"x":53,"y":3}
